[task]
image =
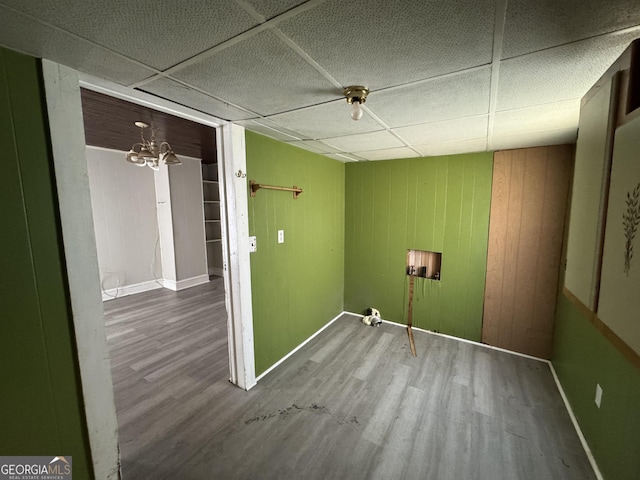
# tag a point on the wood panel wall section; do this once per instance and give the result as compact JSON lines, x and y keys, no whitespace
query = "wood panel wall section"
{"x":526,"y":229}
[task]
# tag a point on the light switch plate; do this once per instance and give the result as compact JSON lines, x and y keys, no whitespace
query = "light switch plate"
{"x":253,"y":244}
{"x":280,"y":236}
{"x":598,"y":395}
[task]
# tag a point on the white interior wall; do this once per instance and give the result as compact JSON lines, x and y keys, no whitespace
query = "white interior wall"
{"x":185,"y":183}
{"x":165,"y":225}
{"x":123,"y":200}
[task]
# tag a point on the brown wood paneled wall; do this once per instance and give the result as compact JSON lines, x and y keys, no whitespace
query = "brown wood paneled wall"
{"x":528,"y":206}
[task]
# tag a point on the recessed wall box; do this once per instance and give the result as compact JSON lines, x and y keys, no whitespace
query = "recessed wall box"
{"x":425,"y":264}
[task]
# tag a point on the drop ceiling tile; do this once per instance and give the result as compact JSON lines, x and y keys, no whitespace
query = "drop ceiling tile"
{"x":448,"y":131}
{"x":314,"y":146}
{"x":344,"y":157}
{"x":264,"y":128}
{"x":364,"y":142}
{"x":455,"y":96}
{"x":551,"y":116}
{"x":452,"y":148}
{"x":389,"y":154}
{"x":272,"y":8}
{"x":178,"y":93}
{"x":156,"y":33}
{"x":534,"y":139}
{"x":558,"y":74}
{"x":45,"y":42}
{"x":533,"y":25}
{"x":262,"y":74}
{"x":328,"y":120}
{"x":385,"y":43}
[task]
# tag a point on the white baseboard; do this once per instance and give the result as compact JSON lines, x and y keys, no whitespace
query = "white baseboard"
{"x":576,"y":425}
{"x":472,"y":342}
{"x":125,"y":290}
{"x":272,"y":367}
{"x":216,"y":271}
{"x":186,"y":283}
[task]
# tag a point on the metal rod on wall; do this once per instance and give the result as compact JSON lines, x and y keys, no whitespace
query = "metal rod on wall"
{"x":257,"y":186}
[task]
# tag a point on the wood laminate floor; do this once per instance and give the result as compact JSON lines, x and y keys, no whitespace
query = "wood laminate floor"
{"x":352,"y":404}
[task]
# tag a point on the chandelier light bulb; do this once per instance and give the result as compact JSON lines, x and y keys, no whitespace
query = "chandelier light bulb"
{"x":356,"y":110}
{"x":148,"y":153}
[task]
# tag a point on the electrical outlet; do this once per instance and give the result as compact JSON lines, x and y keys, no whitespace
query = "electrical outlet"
{"x":280,"y":236}
{"x":253,"y":244}
{"x":598,"y":395}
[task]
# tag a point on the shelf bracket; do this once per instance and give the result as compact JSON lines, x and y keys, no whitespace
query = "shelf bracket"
{"x":257,"y":186}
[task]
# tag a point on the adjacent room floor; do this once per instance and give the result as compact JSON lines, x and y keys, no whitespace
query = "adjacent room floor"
{"x":352,"y":404}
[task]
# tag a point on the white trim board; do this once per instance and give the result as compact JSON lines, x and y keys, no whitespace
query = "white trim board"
{"x":186,"y":283}
{"x":64,"y":109}
{"x":459,"y":339}
{"x":576,"y":425}
{"x":279,"y":362}
{"x":125,"y":290}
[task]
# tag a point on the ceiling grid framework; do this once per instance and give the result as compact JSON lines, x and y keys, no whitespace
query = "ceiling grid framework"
{"x":445,"y":76}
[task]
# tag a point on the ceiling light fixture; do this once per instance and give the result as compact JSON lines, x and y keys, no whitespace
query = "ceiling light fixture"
{"x":356,"y":96}
{"x":149,"y":153}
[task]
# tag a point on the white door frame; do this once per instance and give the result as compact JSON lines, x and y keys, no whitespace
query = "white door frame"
{"x":64,"y":107}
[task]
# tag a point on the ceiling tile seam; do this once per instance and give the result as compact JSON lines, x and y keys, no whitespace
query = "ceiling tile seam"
{"x":279,"y":131}
{"x":353,"y":158}
{"x":306,"y":57}
{"x":540,"y":105}
{"x":261,"y":27}
{"x":498,"y":37}
{"x":431,"y":79}
{"x":388,"y":128}
{"x":80,"y":38}
{"x":301,"y":109}
{"x":324,"y":139}
{"x":384,"y":125}
{"x":219,"y":99}
{"x":477,"y":115}
{"x":207,"y":53}
{"x":449,"y":142}
{"x":253,"y":13}
{"x":613,"y":33}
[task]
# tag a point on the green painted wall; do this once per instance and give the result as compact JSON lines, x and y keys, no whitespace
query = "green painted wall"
{"x":298,"y":285}
{"x":438,"y":204}
{"x":41,"y":410}
{"x":583,"y":358}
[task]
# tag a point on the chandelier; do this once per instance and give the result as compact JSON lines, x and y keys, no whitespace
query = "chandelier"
{"x":149,"y":153}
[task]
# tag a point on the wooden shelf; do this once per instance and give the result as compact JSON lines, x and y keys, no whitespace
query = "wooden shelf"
{"x":210,"y":181}
{"x":214,"y":240}
{"x":212,"y":221}
{"x":212,"y":201}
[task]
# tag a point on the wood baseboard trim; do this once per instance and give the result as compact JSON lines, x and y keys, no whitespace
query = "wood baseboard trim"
{"x":625,"y":350}
{"x":576,"y":425}
{"x":272,"y":367}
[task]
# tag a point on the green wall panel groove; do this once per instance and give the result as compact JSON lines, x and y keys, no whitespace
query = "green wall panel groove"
{"x":297,"y":286}
{"x":41,"y":409}
{"x":438,"y":204}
